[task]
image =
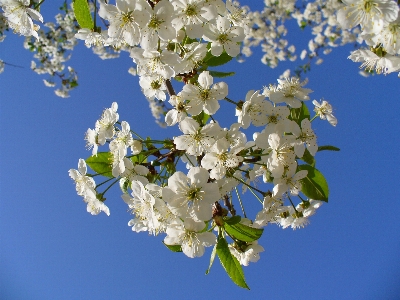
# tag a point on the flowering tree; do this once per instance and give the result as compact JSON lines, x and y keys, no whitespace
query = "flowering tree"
{"x":190,"y":187}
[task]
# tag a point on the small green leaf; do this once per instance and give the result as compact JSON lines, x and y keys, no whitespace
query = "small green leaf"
{"x":139,"y":158}
{"x":308,"y":158}
{"x":230,"y":263}
{"x":329,"y":148}
{"x":124,"y":185}
{"x":214,"y":251}
{"x":102,"y":163}
{"x":73,"y":84}
{"x":242,"y":232}
{"x":82,"y":13}
{"x":174,"y":248}
{"x":202,"y":118}
{"x":215,"y":61}
{"x":314,"y":185}
{"x":299,"y":114}
{"x":233,"y":220}
{"x":221,"y":74}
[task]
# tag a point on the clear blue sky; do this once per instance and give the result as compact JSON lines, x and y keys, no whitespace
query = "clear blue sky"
{"x":51,"y":248}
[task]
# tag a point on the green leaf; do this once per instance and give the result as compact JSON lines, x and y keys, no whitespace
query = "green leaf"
{"x":215,"y":61}
{"x":102,"y":163}
{"x":202,"y":118}
{"x":314,"y":185}
{"x":82,"y":14}
{"x":230,"y":263}
{"x":174,"y":248}
{"x":214,"y":251}
{"x":221,"y":74}
{"x":308,"y":158}
{"x":242,"y":232}
{"x":124,"y":185}
{"x":139,"y":158}
{"x":73,"y":84}
{"x":233,"y":220}
{"x":329,"y":148}
{"x":299,"y":114}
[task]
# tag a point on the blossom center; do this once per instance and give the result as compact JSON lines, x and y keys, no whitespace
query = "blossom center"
{"x":368,"y":5}
{"x":191,"y":10}
{"x":155,"y":22}
{"x":155,"y":85}
{"x":223,"y":38}
{"x":205,"y":94}
{"x":127,"y":18}
{"x":194,"y":194}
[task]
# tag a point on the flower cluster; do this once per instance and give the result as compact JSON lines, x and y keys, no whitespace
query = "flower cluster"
{"x":187,"y":206}
{"x":19,"y":16}
{"x":380,"y":24}
{"x":268,"y":152}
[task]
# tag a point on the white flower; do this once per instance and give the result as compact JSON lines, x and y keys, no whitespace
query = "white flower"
{"x":237,"y":15}
{"x":126,"y":19}
{"x":223,"y":36}
{"x":271,"y":206}
{"x":304,"y":135}
{"x":194,"y":55}
{"x":253,"y":110}
{"x":370,"y":14}
{"x":84,"y":184}
{"x":220,"y":160}
{"x":143,"y":207}
{"x":90,"y":37}
{"x":324,"y":111}
{"x":281,"y":154}
{"x":290,"y":91}
{"x":19,"y":16}
{"x":191,"y":195}
{"x":95,"y":206}
{"x":159,"y":26}
{"x":289,"y":182}
{"x":122,"y":140}
{"x":389,"y":37}
{"x":105,"y":126}
{"x":204,"y":97}
{"x":249,"y":254}
{"x":371,"y":61}
{"x":153,"y":87}
{"x":178,"y":113}
{"x":196,"y":139}
{"x":85,"y":187}
{"x":152,"y":63}
{"x":189,"y":236}
{"x":191,"y":14}
{"x":91,"y":140}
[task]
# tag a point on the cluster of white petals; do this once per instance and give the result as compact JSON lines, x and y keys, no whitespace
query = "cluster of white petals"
{"x":269,"y":151}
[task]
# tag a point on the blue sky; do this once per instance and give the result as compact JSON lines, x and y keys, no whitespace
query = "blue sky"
{"x":51,"y":248}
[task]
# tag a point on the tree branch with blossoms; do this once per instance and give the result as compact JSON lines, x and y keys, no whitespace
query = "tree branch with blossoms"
{"x":187,"y":187}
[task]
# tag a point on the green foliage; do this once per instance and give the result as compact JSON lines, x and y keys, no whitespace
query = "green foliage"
{"x":82,"y":14}
{"x":202,"y":118}
{"x":328,"y":147}
{"x":221,"y":74}
{"x":314,"y":185}
{"x":174,"y":248}
{"x":101,"y":163}
{"x":213,"y":253}
{"x":215,"y":61}
{"x":233,"y":220}
{"x":139,"y":158}
{"x":299,"y":114}
{"x":242,"y":232}
{"x":230,"y":263}
{"x":308,"y":158}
